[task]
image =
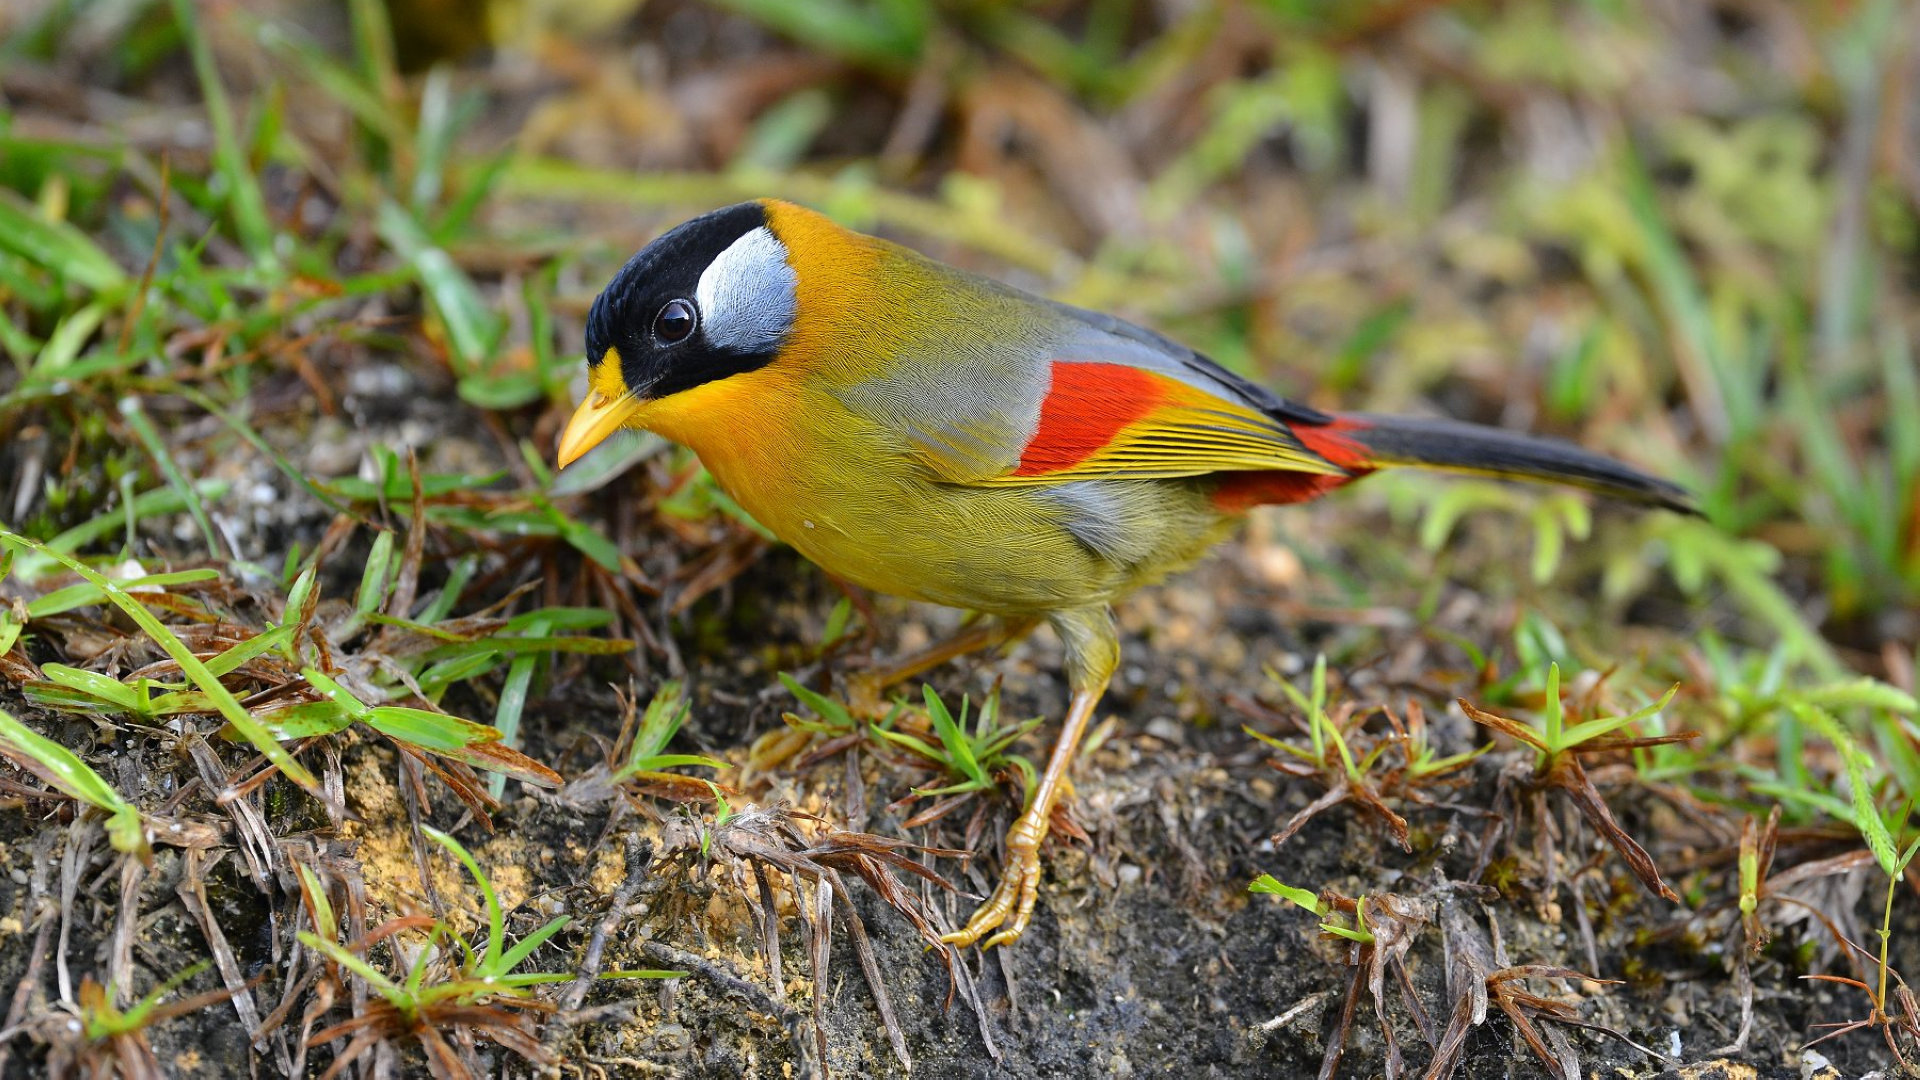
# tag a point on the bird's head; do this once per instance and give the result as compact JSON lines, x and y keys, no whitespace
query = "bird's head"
{"x":714,"y":298}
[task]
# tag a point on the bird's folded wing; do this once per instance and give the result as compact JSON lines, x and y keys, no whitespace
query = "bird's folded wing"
{"x":1102,"y":399}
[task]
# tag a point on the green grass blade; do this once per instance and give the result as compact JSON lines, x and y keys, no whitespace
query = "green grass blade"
{"x":244,"y":200}
{"x":885,"y":36}
{"x":506,"y":642}
{"x":563,"y":618}
{"x":1272,"y":886}
{"x":307,"y":720}
{"x":953,"y":737}
{"x":136,"y":417}
{"x":442,"y":603}
{"x":1589,"y":730}
{"x":335,"y":693}
{"x":657,"y":762}
{"x":913,"y":743}
{"x":524,"y":947}
{"x":434,"y":133}
{"x":1865,"y":815}
{"x":496,"y":919}
{"x":63,"y":769}
{"x":339,"y":954}
{"x":84,"y":593}
{"x":94,"y":684}
{"x":1553,"y":714}
{"x":209,"y":684}
{"x":472,"y":327}
{"x":373,"y":46}
{"x":55,"y":245}
{"x":55,"y":358}
{"x":1863,"y":692}
{"x":513,"y":700}
{"x":321,"y":907}
{"x":377,"y":577}
{"x":258,"y":645}
{"x":828,"y":710}
{"x":434,"y":731}
{"x":662,"y":719}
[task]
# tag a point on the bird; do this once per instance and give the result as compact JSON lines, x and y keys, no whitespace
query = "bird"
{"x":929,"y":433}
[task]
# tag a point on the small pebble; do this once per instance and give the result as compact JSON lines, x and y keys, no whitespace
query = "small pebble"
{"x":671,"y":1039}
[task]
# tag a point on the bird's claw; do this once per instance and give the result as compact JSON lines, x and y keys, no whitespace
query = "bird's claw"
{"x":1014,"y":897}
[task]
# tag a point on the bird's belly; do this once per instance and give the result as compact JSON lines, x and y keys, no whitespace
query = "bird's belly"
{"x":1003,"y":550}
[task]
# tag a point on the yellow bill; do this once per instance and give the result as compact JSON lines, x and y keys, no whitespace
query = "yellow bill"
{"x":597,"y":417}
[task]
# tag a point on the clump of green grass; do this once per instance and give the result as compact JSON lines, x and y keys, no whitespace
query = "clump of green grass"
{"x":1372,"y":947}
{"x":972,"y":758}
{"x":1352,"y":928}
{"x":1350,"y":763}
{"x":201,"y":675}
{"x":443,"y":992}
{"x":645,"y":761}
{"x":404,"y":653}
{"x":1554,"y":741}
{"x":111,"y":1040}
{"x":832,"y":722}
{"x":104,"y":1021}
{"x":973,"y":752}
{"x":1558,"y":749}
{"x":360,"y":664}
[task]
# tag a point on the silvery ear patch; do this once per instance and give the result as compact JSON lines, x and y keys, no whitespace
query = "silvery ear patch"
{"x":747,"y":295}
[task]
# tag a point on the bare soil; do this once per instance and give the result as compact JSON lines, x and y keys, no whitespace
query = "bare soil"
{"x":1147,"y":956}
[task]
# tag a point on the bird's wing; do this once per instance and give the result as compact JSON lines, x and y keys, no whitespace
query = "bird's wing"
{"x":1097,"y":398}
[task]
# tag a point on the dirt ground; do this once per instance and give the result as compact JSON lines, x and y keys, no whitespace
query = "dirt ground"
{"x":1147,"y":956}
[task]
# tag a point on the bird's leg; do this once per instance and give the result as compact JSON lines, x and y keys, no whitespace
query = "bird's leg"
{"x":864,"y":688}
{"x":1092,"y":652}
{"x":1020,"y":879}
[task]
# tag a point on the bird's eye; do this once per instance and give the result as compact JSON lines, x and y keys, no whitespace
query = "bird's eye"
{"x":675,"y":323}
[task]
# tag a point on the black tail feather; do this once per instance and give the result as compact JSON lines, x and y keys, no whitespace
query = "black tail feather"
{"x":1471,"y":448}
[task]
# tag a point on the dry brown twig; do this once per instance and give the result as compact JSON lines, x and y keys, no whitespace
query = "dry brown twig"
{"x":1479,"y":974}
{"x":1392,"y":924}
{"x":763,"y":840}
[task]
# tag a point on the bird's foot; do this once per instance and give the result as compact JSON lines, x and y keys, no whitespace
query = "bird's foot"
{"x":1019,"y":887}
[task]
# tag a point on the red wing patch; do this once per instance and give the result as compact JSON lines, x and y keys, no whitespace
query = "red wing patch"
{"x":1242,"y":491}
{"x":1331,"y":442}
{"x":1085,"y":408}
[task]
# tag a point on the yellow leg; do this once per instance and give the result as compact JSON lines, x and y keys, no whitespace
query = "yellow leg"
{"x":864,"y":689}
{"x":1091,"y":655}
{"x":1020,"y":879}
